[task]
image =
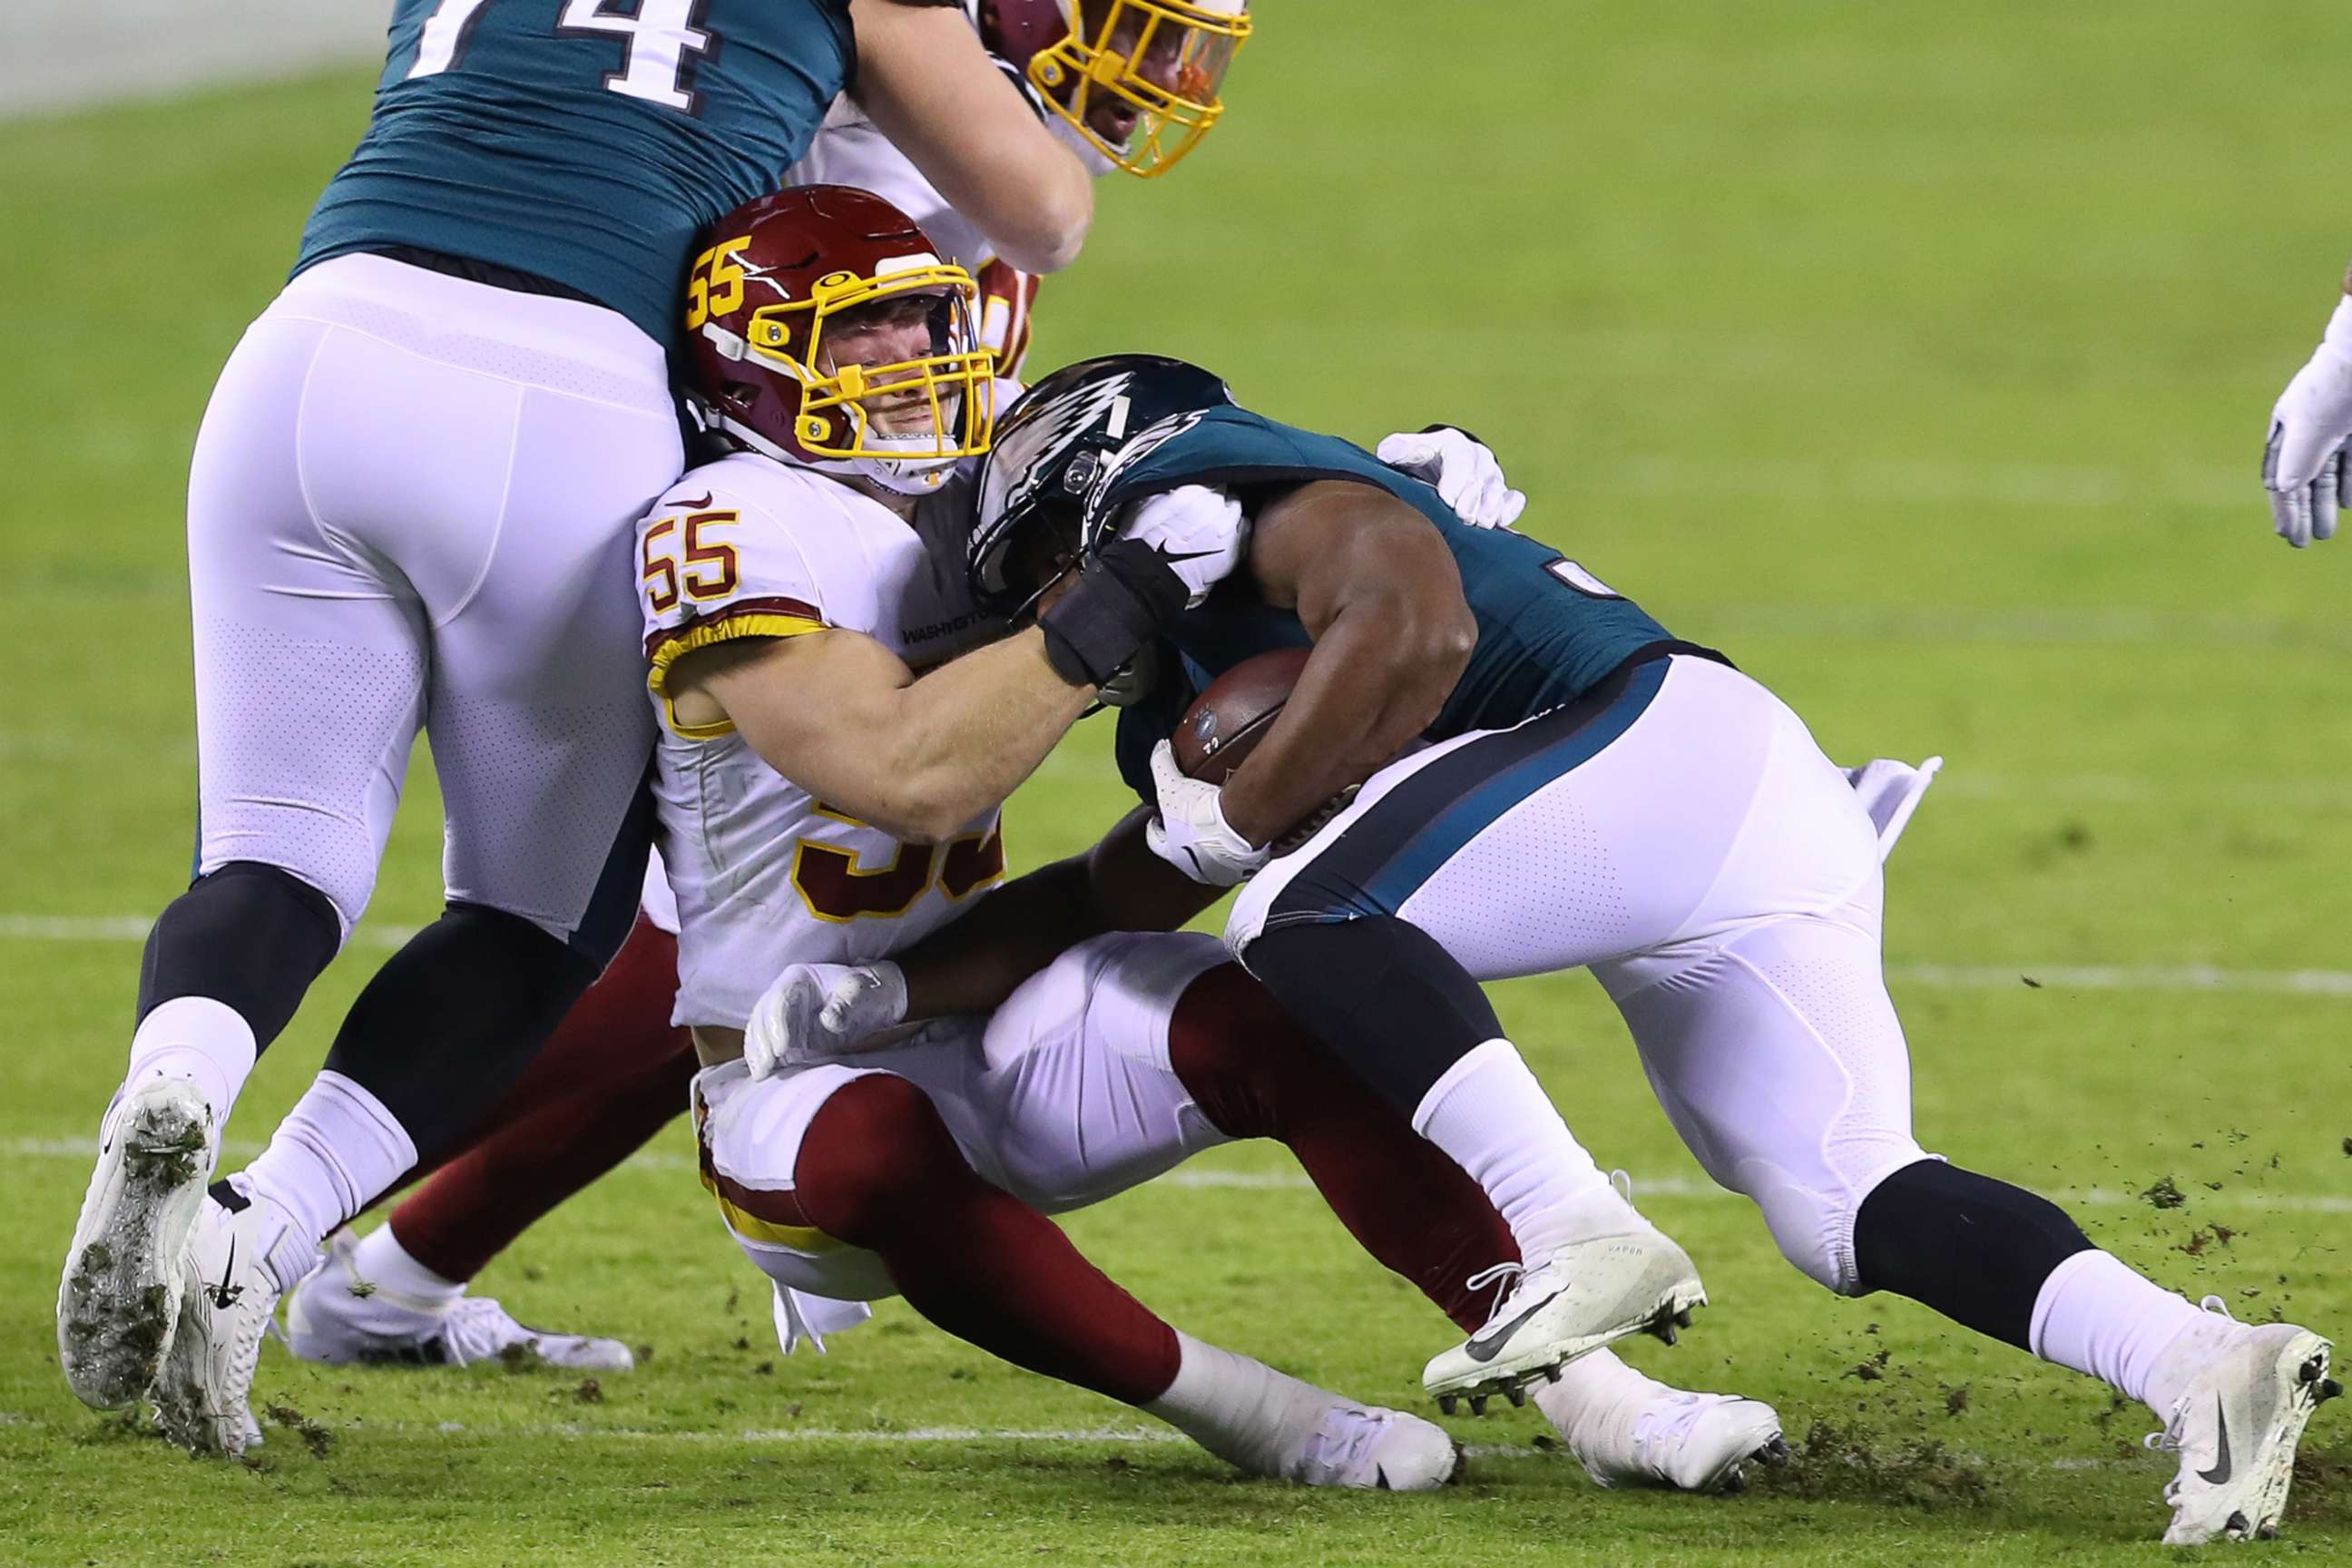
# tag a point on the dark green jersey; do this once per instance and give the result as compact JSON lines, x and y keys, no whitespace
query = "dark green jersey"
{"x":1548,"y":630}
{"x":583,"y":140}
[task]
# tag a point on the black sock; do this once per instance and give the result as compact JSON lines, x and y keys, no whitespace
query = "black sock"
{"x":1975,"y":1249}
{"x":1382,"y":995}
{"x":249,"y":936}
{"x":450,"y":1021}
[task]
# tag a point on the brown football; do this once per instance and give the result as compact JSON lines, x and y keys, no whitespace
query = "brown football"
{"x":1225,"y":723}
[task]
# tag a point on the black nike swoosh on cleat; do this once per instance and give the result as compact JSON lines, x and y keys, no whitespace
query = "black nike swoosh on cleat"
{"x":225,"y":1295}
{"x":2220,"y":1473}
{"x":1485,"y":1347}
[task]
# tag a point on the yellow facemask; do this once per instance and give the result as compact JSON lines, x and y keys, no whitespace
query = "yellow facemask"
{"x":957,"y":381}
{"x":1164,"y":59}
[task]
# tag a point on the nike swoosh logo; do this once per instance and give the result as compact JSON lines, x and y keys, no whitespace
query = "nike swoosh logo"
{"x":1172,"y":556}
{"x":224,"y":1294}
{"x":703,"y":500}
{"x":2220,"y":1473}
{"x":1487,"y":1346}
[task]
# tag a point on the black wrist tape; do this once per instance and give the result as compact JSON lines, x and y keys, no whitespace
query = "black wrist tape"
{"x":1124,"y":597}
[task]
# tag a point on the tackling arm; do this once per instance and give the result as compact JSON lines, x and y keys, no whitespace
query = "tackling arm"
{"x":972,"y":965}
{"x":844,"y":717}
{"x":1378,"y":591}
{"x":926,"y":82}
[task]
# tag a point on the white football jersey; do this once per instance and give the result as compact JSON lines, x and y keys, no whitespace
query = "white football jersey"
{"x":764,"y":874}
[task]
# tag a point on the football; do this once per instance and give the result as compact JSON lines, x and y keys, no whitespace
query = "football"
{"x":1225,"y":723}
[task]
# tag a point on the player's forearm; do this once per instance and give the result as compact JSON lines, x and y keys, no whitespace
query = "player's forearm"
{"x":968,"y":734}
{"x":1375,"y":682}
{"x":972,"y":966}
{"x":926,"y":82}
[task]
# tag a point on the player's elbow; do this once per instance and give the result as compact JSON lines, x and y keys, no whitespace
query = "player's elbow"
{"x":1433,"y":645}
{"x":1049,"y":228}
{"x":932,"y":808}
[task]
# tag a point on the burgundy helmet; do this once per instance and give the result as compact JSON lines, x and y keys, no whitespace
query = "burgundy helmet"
{"x":1015,"y":30}
{"x":783,"y":283}
{"x":1135,"y":83}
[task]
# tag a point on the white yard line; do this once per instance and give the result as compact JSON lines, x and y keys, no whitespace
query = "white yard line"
{"x":2121,"y":977}
{"x":1927,"y":976}
{"x":2237,"y":1197}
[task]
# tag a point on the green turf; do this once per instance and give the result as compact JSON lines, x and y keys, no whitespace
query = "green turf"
{"x":1918,"y":356}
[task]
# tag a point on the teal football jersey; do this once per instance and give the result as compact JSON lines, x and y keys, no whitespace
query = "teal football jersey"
{"x":1548,"y":630}
{"x":583,"y":140}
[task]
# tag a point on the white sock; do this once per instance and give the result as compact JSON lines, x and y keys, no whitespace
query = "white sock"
{"x":2097,"y":1315}
{"x":338,"y":1151}
{"x":1491,"y":1115}
{"x":382,"y":1262}
{"x":1241,"y":1410}
{"x":197,"y":1038}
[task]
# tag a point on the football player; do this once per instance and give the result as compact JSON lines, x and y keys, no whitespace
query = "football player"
{"x":1129,"y":84}
{"x":409,"y":509}
{"x":2303,"y":461}
{"x":819,"y":801}
{"x":617,"y":1068}
{"x":1493,"y":765}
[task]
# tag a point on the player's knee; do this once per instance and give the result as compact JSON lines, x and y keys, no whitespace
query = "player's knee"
{"x":875,"y":1152}
{"x":1236,"y":1052}
{"x":335,"y":859}
{"x":1813,"y":1227}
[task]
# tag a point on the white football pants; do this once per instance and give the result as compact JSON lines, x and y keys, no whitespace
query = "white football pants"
{"x":1687,"y":840}
{"x":412,"y":506}
{"x":1063,"y":1097}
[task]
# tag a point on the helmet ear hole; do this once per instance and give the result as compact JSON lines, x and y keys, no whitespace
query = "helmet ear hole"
{"x":740,"y":395}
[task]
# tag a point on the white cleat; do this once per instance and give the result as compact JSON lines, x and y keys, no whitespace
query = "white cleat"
{"x":202,"y":1396}
{"x":1584,"y":1295}
{"x":1663,"y":1437}
{"x":118,"y":1303}
{"x":1387,"y":1450}
{"x":2235,"y":1427}
{"x":336,"y":1317}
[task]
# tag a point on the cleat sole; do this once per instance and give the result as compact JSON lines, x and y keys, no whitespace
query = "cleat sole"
{"x":119,"y":1302}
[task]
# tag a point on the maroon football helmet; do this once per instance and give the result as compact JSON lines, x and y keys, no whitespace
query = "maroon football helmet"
{"x":1136,"y":81}
{"x":825,"y":329}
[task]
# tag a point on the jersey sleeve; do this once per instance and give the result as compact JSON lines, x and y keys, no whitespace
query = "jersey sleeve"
{"x":713,"y":568}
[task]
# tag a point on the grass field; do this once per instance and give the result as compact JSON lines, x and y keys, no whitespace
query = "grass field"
{"x":1918,"y":359}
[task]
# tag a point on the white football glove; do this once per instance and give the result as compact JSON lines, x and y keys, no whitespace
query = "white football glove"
{"x":814,"y":1011}
{"x":1461,"y":469}
{"x":1199,"y":531}
{"x":1191,"y":832}
{"x":2303,"y":463}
